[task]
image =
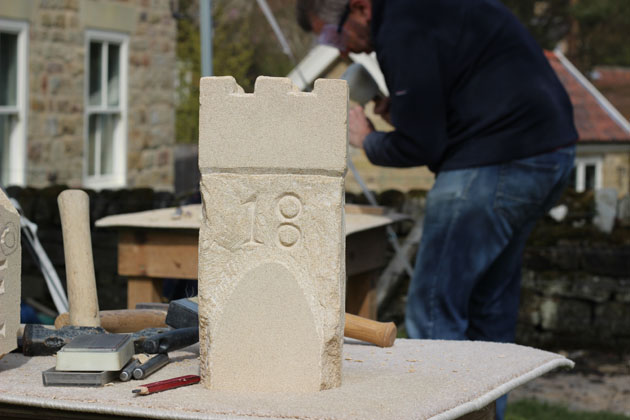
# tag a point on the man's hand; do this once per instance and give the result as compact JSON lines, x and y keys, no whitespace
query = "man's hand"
{"x":358,"y":127}
{"x":381,"y":107}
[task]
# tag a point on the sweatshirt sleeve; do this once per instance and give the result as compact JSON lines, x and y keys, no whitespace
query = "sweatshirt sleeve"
{"x":393,"y":149}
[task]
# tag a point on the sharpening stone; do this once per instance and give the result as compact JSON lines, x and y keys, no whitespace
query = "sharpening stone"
{"x":53,"y":377}
{"x":99,"y":352}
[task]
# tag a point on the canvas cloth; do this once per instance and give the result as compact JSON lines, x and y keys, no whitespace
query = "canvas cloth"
{"x":415,"y":379}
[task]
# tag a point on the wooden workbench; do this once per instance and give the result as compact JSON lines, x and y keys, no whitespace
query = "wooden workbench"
{"x":158,"y":244}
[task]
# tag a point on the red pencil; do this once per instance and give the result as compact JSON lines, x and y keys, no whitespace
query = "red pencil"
{"x":167,"y":384}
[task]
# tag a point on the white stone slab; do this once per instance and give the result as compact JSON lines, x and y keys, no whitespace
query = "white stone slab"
{"x":10,"y":270}
{"x":414,"y":379}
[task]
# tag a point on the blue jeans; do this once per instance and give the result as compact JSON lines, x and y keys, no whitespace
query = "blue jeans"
{"x":466,"y":282}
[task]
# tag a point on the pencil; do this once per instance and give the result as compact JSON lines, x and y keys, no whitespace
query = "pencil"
{"x":167,"y":384}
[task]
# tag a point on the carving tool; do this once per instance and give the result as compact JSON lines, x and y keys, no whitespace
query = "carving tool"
{"x":43,"y":340}
{"x":185,"y":313}
{"x":74,"y":209}
{"x":171,"y":340}
{"x":150,"y":366}
{"x":167,"y":384}
{"x":383,"y":334}
{"x":124,"y":320}
{"x":127,"y":372}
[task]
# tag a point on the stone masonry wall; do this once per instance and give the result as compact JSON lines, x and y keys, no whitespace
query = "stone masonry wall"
{"x":56,"y":57}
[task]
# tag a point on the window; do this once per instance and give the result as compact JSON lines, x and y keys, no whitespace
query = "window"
{"x":587,"y":174}
{"x":13,"y":88}
{"x":105,"y":163}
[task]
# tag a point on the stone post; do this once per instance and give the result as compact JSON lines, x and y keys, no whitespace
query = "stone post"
{"x":10,"y":267}
{"x":272,"y":240}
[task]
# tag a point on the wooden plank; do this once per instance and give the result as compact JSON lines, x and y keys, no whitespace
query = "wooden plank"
{"x":365,"y":251}
{"x":143,"y":289}
{"x":361,"y":294}
{"x":364,"y":209}
{"x":173,"y":254}
{"x":158,"y":253}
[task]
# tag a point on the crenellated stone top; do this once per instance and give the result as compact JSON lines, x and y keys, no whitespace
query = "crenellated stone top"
{"x":276,"y":129}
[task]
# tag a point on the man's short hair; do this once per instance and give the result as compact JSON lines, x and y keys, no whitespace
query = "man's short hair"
{"x":329,"y":11}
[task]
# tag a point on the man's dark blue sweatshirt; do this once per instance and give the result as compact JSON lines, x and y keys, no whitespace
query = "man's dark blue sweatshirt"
{"x":469,"y":86}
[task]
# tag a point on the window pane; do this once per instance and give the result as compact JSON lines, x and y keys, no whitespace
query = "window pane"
{"x":589,"y":177}
{"x":107,"y":144}
{"x":95,"y":73}
{"x":6,"y":127}
{"x":93,"y":133}
{"x":113,"y":74}
{"x":8,"y":68}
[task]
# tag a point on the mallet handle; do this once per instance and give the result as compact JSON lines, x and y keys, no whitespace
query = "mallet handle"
{"x":382,"y":334}
{"x":123,"y":320}
{"x":74,"y":209}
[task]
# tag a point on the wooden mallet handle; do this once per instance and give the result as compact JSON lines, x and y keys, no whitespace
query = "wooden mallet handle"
{"x":123,"y":320}
{"x":383,"y":334}
{"x":74,"y":209}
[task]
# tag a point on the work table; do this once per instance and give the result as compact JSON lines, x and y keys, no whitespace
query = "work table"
{"x":415,"y":379}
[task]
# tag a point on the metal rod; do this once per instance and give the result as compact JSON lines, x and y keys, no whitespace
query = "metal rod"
{"x":205,"y":23}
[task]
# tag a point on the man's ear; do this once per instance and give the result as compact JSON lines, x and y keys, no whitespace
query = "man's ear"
{"x":363,"y":8}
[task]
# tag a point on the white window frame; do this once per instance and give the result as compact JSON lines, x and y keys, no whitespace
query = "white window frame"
{"x":118,"y":178}
{"x":580,"y":171}
{"x":17,"y":140}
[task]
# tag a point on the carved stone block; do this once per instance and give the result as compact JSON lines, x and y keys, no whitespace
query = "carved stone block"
{"x":10,"y":268}
{"x":272,"y":242}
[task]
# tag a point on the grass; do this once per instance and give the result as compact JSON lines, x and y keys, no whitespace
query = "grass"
{"x":534,"y":410}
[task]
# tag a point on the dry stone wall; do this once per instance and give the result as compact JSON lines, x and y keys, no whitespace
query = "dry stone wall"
{"x":576,"y":279}
{"x":40,"y":206}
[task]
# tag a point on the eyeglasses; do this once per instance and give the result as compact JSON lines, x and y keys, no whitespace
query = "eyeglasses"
{"x":333,"y":35}
{"x":343,"y":18}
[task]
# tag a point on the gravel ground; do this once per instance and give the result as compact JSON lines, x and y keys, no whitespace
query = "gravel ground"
{"x":599,"y":382}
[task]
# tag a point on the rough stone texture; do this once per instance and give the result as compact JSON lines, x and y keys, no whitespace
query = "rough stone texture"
{"x":56,"y":64}
{"x":271,"y":256}
{"x":606,"y":207}
{"x":10,"y":267}
{"x":623,"y":211}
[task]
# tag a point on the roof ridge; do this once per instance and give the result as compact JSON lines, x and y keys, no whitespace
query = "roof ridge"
{"x":609,"y":108}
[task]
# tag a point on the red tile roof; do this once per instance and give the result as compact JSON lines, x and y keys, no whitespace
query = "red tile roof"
{"x":595,"y":118}
{"x":614,"y":83}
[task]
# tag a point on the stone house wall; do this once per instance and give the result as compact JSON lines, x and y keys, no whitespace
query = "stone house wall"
{"x":56,"y":86}
{"x":616,"y":172}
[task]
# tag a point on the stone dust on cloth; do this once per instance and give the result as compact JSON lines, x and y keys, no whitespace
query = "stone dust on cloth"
{"x":415,"y":379}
